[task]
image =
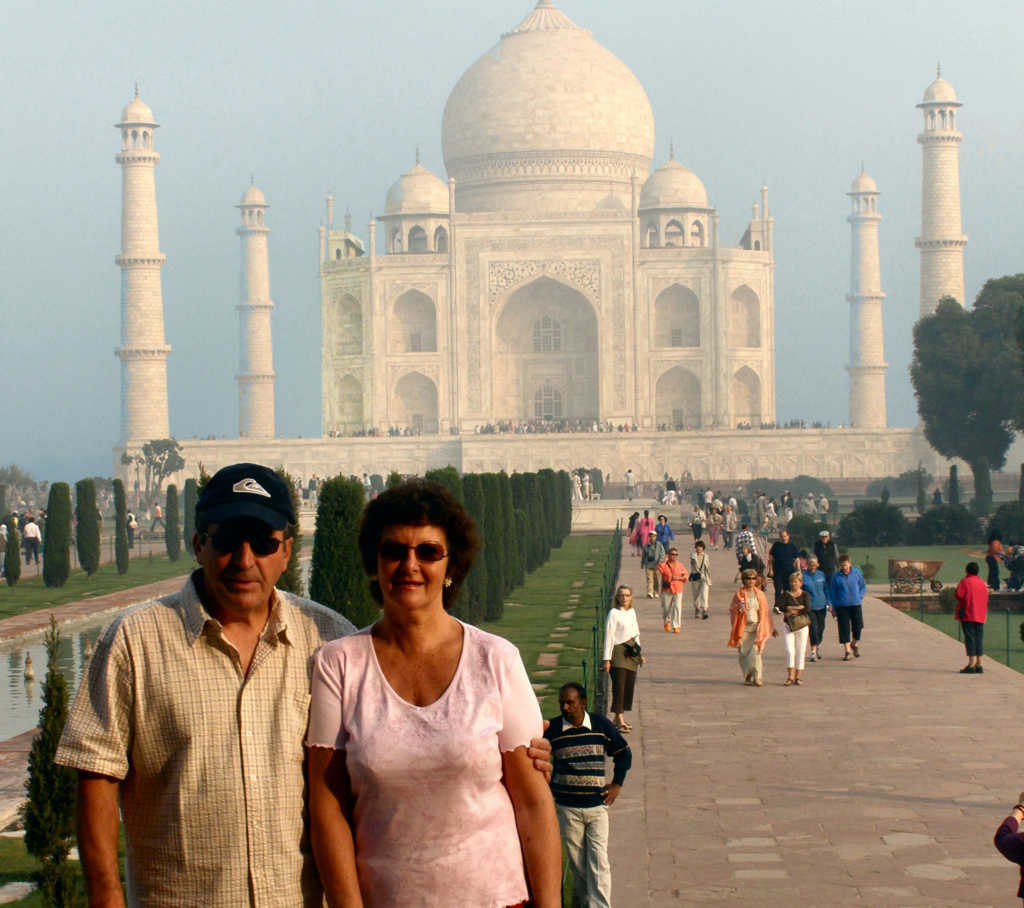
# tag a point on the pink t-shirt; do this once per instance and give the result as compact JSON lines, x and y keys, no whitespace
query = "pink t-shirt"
{"x":433,"y":822}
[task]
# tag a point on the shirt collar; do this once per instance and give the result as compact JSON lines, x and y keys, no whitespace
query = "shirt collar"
{"x":584,"y":724}
{"x":199,"y":621}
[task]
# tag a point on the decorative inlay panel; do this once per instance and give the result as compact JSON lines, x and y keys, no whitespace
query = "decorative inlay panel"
{"x":584,"y":274}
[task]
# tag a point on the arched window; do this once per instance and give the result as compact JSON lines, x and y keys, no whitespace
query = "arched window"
{"x":676,"y":318}
{"x":744,"y":318}
{"x":418,"y":240}
{"x":547,"y":335}
{"x":674,"y":234}
{"x":697,"y":234}
{"x":135,"y":138}
{"x":259,"y":218}
{"x":337,"y":254}
{"x":547,"y":402}
{"x":440,"y":240}
{"x":396,"y":240}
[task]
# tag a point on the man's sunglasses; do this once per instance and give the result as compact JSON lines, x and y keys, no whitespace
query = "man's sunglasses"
{"x":230,"y":537}
{"x":427,"y":552}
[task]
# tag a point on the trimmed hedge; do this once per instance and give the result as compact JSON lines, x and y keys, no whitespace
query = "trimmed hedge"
{"x":1008,"y":521}
{"x":121,"y":554}
{"x":873,"y":523}
{"x":190,"y":495}
{"x":945,"y":525}
{"x":291,"y":580}
{"x":172,"y":524}
{"x":494,"y":547}
{"x":87,"y":517}
{"x":57,"y":536}
{"x":12,"y":554}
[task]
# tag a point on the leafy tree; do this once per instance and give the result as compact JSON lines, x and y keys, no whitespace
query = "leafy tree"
{"x":448,"y":477}
{"x":87,"y":519}
{"x":291,"y":579}
{"x":945,"y":524}
{"x":336,"y":579}
{"x":803,"y":531}
{"x":1008,"y":521}
{"x":190,"y":495}
{"x":922,"y":497}
{"x":873,"y":524}
{"x":494,"y":546}
{"x":966,"y":375}
{"x":476,"y":581}
{"x":121,"y":554}
{"x":3,"y":496}
{"x":903,"y":486}
{"x":172,"y":524}
{"x":799,"y":486}
{"x":57,"y":536}
{"x":953,"y":487}
{"x":159,"y":459}
{"x":12,"y":554}
{"x":394,"y":479}
{"x":564,"y":503}
{"x":49,"y":814}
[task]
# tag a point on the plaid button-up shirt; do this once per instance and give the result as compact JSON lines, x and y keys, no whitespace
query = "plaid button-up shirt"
{"x":211,"y":760}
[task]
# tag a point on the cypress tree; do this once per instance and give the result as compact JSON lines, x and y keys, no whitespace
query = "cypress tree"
{"x":57,"y":535}
{"x":513,"y":564}
{"x":394,"y":479}
{"x":87,"y":517}
{"x":536,"y":543}
{"x":190,"y":495}
{"x":1020,"y":488}
{"x":522,"y":537}
{"x":337,"y":578}
{"x":449,"y":477}
{"x":3,"y":495}
{"x":476,"y":582}
{"x":121,"y":554}
{"x":50,"y":812}
{"x":548,"y":482}
{"x":953,"y":487}
{"x":922,"y":498}
{"x":291,"y":579}
{"x":172,"y":524}
{"x":494,"y":547}
{"x":12,"y":555}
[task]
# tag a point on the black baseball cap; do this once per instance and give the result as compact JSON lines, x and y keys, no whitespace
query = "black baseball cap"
{"x":247,"y":490}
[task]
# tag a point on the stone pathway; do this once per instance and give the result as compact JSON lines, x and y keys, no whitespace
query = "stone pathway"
{"x":879,"y":782}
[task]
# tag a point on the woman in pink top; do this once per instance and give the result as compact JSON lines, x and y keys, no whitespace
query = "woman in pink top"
{"x":420,"y":786}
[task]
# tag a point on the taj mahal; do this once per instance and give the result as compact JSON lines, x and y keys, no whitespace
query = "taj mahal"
{"x":559,"y":277}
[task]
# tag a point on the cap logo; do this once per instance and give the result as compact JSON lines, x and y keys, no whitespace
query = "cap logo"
{"x":250,"y":486}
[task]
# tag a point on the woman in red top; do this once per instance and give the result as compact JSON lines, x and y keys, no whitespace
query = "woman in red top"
{"x":971,"y":612}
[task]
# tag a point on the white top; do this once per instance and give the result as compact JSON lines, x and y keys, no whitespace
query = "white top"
{"x":433,"y":822}
{"x":619,"y":626}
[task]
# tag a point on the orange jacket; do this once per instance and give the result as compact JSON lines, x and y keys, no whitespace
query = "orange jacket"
{"x":674,"y":574}
{"x":738,"y":611}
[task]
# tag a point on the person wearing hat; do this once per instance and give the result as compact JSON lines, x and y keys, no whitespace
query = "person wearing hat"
{"x":751,"y":627}
{"x":189,"y":725}
{"x":827,"y":553}
{"x":673,"y":576}
{"x":651,"y":556}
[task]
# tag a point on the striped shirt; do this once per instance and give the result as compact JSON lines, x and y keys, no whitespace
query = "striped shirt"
{"x":578,"y":754}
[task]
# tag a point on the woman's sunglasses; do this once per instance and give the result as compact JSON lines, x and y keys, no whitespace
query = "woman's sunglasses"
{"x":427,"y":552}
{"x":230,"y":537}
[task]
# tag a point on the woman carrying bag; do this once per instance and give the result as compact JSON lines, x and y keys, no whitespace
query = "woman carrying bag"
{"x":622,"y":656}
{"x":795,"y":607}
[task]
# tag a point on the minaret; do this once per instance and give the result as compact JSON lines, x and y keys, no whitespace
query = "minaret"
{"x":867,"y":351}
{"x":143,"y":353}
{"x":256,"y":347}
{"x":942,"y":240}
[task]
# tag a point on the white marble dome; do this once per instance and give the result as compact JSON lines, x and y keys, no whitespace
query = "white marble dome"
{"x":253,"y":196}
{"x":863,"y":183}
{"x":137,"y":113}
{"x":673,"y":186}
{"x":939,"y":92}
{"x":546,"y":108}
{"x":417,"y":191}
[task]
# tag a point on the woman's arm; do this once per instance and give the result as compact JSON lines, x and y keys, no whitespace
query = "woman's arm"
{"x":330,"y":799}
{"x":538,"y":828}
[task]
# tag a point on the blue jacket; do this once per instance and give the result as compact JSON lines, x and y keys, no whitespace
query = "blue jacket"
{"x":847,"y":589}
{"x":665,"y":533}
{"x":817,"y":588}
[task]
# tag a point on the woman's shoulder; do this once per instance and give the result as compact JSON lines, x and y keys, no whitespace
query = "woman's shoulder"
{"x":345,"y":646}
{"x":490,"y":644}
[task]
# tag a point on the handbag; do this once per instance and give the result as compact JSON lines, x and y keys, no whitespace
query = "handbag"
{"x":796,"y":622}
{"x":632,"y":650}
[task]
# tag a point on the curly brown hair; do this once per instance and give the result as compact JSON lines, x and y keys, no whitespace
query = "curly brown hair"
{"x":420,"y":502}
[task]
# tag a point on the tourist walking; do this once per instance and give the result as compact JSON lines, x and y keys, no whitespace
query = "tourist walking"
{"x":700,"y":579}
{"x":744,"y":537}
{"x":664,"y":531}
{"x":697,"y":522}
{"x":795,"y":607}
{"x":846,"y":593}
{"x":631,"y":531}
{"x":971,"y":612}
{"x":992,"y":558}
{"x":622,"y":654}
{"x":673,"y":576}
{"x":730,"y":522}
{"x":653,"y":554}
{"x":747,"y":559}
{"x":642,"y":530}
{"x":751,"y":627}
{"x":816,"y":586}
{"x":630,"y":484}
{"x":32,"y":538}
{"x":827,"y":553}
{"x":782,"y":561}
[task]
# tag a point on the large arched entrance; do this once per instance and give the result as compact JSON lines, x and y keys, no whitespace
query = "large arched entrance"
{"x":349,"y":406}
{"x":677,"y":399}
{"x":414,"y":406}
{"x":412,"y":327}
{"x":746,"y":397}
{"x":545,"y":363}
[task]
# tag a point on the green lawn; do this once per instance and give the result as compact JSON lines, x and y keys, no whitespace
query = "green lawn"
{"x":30,"y":594}
{"x":953,"y":558}
{"x":1002,"y":634}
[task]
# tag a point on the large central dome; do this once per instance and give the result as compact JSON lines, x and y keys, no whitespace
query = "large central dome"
{"x":547,"y":120}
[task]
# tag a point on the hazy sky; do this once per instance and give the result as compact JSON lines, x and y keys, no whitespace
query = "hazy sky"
{"x":315,"y":98}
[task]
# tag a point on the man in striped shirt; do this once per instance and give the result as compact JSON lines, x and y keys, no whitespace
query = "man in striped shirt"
{"x":580,"y":741}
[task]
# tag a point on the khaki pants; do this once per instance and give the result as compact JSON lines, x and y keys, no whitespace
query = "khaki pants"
{"x":653,"y":581}
{"x":672,"y":609}
{"x":750,"y":656}
{"x":585,"y":833}
{"x":701,"y":597}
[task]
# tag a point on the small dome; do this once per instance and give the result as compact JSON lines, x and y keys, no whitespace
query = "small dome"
{"x":673,"y":186}
{"x":940,"y":91}
{"x":137,"y":113}
{"x":417,"y":192}
{"x":863,"y":183}
{"x":253,"y":196}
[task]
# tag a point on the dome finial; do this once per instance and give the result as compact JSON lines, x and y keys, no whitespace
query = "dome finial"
{"x":671,"y":150}
{"x":252,"y":179}
{"x":136,"y":91}
{"x":545,"y":3}
{"x":417,"y":154}
{"x":938,"y":70}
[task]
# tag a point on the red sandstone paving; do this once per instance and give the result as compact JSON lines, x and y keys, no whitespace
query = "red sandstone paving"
{"x":878,"y":782}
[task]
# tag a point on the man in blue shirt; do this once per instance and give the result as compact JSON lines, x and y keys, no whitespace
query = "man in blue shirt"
{"x":846,"y":592}
{"x":664,"y":531}
{"x":817,"y":588}
{"x":580,"y":741}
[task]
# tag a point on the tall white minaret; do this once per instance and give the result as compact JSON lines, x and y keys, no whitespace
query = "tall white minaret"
{"x":143,"y":352}
{"x":867,"y":350}
{"x":942,"y":239}
{"x":256,"y":347}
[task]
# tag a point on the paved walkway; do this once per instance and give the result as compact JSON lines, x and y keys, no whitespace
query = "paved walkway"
{"x":878,"y":782}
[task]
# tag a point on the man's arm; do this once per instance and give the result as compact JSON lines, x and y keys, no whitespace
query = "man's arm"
{"x":622,"y":759}
{"x":98,"y":825}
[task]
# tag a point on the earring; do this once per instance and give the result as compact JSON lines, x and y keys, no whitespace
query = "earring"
{"x":447,"y":582}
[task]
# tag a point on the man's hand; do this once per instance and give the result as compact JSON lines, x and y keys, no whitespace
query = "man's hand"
{"x":606,"y":665}
{"x":540,"y":752}
{"x":609,"y":793}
